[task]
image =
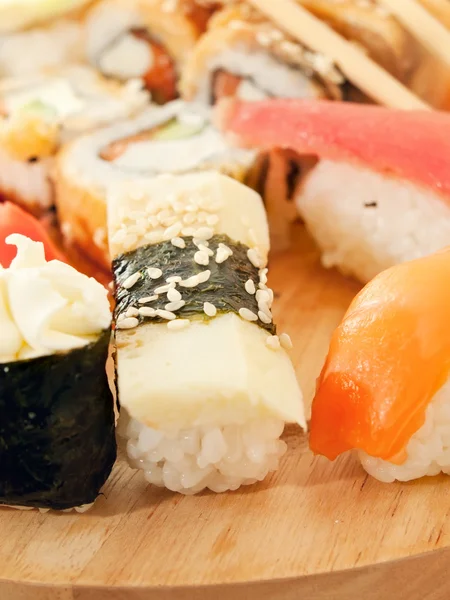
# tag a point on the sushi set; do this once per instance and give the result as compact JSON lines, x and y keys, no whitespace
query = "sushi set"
{"x":224,"y":246}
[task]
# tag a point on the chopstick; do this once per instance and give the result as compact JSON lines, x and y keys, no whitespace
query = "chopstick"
{"x":362,"y":71}
{"x":423,"y":25}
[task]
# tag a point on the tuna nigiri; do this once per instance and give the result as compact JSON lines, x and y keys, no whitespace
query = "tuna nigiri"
{"x":378,"y":192}
{"x":384,"y":389}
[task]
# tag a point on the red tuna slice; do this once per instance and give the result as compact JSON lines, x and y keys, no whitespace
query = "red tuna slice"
{"x":413,"y":145}
{"x":13,"y":219}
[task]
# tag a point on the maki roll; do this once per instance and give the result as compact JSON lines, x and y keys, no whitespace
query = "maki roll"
{"x":57,"y":439}
{"x":204,"y":382}
{"x":384,"y":389}
{"x":38,"y":113}
{"x":149,"y":39}
{"x":244,"y":54}
{"x":175,"y":138}
{"x":374,"y":186}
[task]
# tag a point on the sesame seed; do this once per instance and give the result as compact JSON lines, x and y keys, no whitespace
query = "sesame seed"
{"x":188,"y":231}
{"x":222,"y":255}
{"x":121,"y":317}
{"x":172,"y":231}
{"x":178,"y":324}
{"x":166,"y":314}
{"x":204,"y":276}
{"x":204,"y":233}
{"x":111,"y":285}
{"x":173,"y":295}
{"x":254,"y":257}
{"x":168,"y":221}
{"x":129,"y":323}
{"x":190,"y":282}
{"x":262,"y":296}
{"x":153,"y":237}
{"x":146,"y":311}
{"x":189,"y":218}
{"x":205,"y":249}
{"x":250,"y":286}
{"x":132,"y":312}
{"x":201,"y":258}
{"x":264,"y":317}
{"x":190,"y":208}
{"x":148,"y":299}
{"x":209,"y":309}
{"x":173,"y":306}
{"x":174,"y":279}
{"x":154,"y":273}
{"x":162,"y":215}
{"x":163,"y":289}
{"x":273,"y":342}
{"x":178,"y":242}
{"x":263,"y":276}
{"x":212,"y":220}
{"x":286,"y":341}
{"x":130,"y":241}
{"x":262,"y":307}
{"x":131,"y":280}
{"x":247,"y":314}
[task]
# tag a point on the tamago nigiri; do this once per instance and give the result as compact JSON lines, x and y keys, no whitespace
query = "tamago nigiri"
{"x":204,"y":383}
{"x":384,"y":389}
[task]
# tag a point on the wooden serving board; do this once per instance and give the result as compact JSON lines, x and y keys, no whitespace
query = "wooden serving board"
{"x":314,"y":530}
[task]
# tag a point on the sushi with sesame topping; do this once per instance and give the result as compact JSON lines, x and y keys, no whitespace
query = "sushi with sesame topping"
{"x":205,"y":384}
{"x":57,"y":438}
{"x":175,"y":138}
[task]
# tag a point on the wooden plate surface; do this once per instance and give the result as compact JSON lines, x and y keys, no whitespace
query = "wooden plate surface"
{"x":315,"y":530}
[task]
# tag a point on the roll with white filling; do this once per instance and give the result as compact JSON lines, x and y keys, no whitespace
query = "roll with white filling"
{"x":38,"y":113}
{"x":175,"y":138}
{"x":149,"y":39}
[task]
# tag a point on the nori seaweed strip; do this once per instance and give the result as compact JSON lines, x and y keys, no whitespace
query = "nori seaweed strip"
{"x":57,"y":438}
{"x":225,"y":287}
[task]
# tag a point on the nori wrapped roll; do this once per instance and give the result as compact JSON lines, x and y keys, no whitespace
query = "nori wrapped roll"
{"x":57,"y":431}
{"x":204,"y":381}
{"x":57,"y":440}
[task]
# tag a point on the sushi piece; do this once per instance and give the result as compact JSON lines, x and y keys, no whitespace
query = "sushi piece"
{"x":15,"y":220}
{"x":57,"y":439}
{"x":384,"y":389}
{"x":149,"y":39}
{"x":245,"y":55}
{"x":38,"y":113}
{"x":204,"y":382}
{"x":375,"y":185}
{"x":175,"y":138}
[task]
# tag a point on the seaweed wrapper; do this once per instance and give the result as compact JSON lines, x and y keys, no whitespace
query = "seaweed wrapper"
{"x":225,"y":287}
{"x":57,"y":435}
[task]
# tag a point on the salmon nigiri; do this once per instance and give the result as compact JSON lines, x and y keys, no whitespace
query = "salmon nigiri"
{"x":384,"y":389}
{"x":378,"y":190}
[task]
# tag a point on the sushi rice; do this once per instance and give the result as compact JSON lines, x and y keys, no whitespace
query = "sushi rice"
{"x":365,"y":222}
{"x":428,"y":451}
{"x":219,"y":452}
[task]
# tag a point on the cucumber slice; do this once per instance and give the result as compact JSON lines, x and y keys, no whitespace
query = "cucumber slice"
{"x":177,"y":130}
